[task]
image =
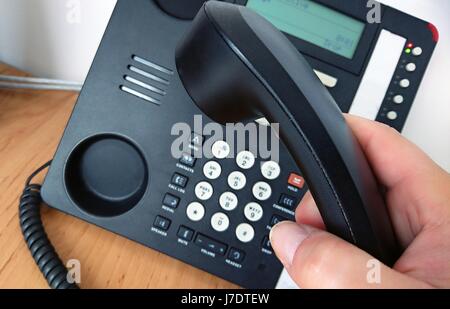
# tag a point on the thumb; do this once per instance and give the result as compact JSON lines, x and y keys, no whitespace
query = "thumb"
{"x":317,"y":259}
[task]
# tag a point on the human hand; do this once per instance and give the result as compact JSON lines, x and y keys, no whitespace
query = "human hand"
{"x":418,"y":200}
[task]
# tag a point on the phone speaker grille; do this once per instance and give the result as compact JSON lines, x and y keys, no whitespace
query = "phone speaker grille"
{"x":146,"y":80}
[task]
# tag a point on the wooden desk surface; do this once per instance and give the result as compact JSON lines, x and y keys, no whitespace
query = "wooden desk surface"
{"x":31,"y":124}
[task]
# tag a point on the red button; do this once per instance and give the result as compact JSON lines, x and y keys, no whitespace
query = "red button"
{"x":296,"y":180}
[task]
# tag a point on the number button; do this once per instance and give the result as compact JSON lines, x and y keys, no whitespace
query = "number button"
{"x":245,"y":160}
{"x":237,"y":180}
{"x":253,"y":212}
{"x":262,"y":191}
{"x":245,"y":232}
{"x":228,"y":201}
{"x":203,"y":190}
{"x":270,"y":170}
{"x":195,"y":211}
{"x":220,"y":150}
{"x":220,"y":222}
{"x":212,"y":170}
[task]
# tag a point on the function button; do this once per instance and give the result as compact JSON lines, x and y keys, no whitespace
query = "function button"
{"x":220,"y":222}
{"x":270,"y":170}
{"x":266,"y":243}
{"x":236,"y":180}
{"x":236,"y":255}
{"x":296,"y":180}
{"x":171,"y":200}
{"x":210,"y":244}
{"x":262,"y":191}
{"x":203,"y":190}
{"x":410,"y":67}
{"x":398,"y":99}
{"x":179,"y":180}
{"x":277,"y":219}
{"x":404,"y":83}
{"x":245,"y":159}
{"x":228,"y":201}
{"x":253,"y":212}
{"x":220,"y":149}
{"x":245,"y":232}
{"x":195,"y":211}
{"x":161,"y":223}
{"x":187,"y":159}
{"x":287,"y":201}
{"x":185,"y":233}
{"x":196,"y":139}
{"x":212,"y":170}
{"x":417,"y":51}
{"x":392,"y":115}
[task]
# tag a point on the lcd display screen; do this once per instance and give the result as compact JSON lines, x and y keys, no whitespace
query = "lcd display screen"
{"x":314,"y":23}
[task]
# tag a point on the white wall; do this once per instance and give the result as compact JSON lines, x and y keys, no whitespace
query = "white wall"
{"x":52,"y":38}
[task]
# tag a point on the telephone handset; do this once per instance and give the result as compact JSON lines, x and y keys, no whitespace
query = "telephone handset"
{"x":245,"y":60}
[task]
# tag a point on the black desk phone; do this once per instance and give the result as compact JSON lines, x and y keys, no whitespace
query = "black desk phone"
{"x":157,"y":66}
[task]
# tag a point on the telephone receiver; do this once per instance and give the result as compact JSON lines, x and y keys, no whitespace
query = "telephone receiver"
{"x":235,"y":65}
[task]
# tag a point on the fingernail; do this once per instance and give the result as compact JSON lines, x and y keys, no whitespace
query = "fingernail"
{"x":285,"y":237}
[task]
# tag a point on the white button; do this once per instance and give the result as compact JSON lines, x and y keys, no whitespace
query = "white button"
{"x":212,"y":170}
{"x":410,"y":67}
{"x":327,"y":80}
{"x":253,"y":212}
{"x":392,"y":115}
{"x":203,"y":190}
{"x":262,"y":190}
{"x":220,"y":149}
{"x":398,"y":99}
{"x":195,"y":211}
{"x":417,"y":51}
{"x":245,"y":232}
{"x":245,"y":159}
{"x":270,"y":170}
{"x":236,"y":180}
{"x":220,"y":222}
{"x":404,"y":83}
{"x":228,"y":201}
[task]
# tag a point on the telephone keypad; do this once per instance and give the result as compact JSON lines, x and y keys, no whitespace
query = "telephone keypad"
{"x":245,"y":232}
{"x":245,"y":159}
{"x":212,"y":170}
{"x":228,"y":201}
{"x":253,"y":211}
{"x":220,"y":222}
{"x":237,"y":180}
{"x":270,"y":170}
{"x":262,"y":191}
{"x":220,"y":150}
{"x":203,"y":191}
{"x":233,"y":204}
{"x":195,"y":211}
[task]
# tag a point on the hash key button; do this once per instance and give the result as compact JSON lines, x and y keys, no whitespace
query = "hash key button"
{"x":171,"y":200}
{"x":161,"y":223}
{"x":236,"y":255}
{"x":179,"y":180}
{"x":185,"y":233}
